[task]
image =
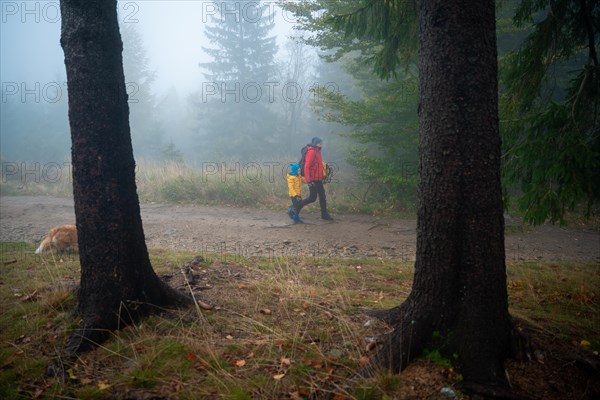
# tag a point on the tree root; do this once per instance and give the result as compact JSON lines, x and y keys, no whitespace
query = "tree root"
{"x":406,"y":342}
{"x":412,"y":333}
{"x":390,"y":317}
{"x":95,"y":329}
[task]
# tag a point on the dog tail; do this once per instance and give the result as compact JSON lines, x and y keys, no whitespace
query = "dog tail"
{"x":45,"y":243}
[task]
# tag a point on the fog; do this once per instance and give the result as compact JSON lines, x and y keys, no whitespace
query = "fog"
{"x":174,"y":105}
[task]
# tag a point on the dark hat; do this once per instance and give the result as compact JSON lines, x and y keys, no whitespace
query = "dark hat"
{"x":315,"y":141}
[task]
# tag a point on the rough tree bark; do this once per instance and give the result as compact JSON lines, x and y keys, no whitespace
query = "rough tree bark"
{"x":459,"y":291}
{"x":117,"y":280}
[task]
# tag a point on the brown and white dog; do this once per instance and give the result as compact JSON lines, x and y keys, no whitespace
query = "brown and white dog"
{"x":60,"y":238}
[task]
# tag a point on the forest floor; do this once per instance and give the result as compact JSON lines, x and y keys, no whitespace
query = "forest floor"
{"x":281,"y":309}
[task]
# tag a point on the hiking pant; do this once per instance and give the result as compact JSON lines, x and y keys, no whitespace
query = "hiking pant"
{"x":297,"y":204}
{"x":316,"y":189}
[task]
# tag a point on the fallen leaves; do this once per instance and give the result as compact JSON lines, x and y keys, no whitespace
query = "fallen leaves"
{"x":24,"y":339}
{"x":240,"y":363}
{"x":85,"y":381}
{"x":372,"y":342}
{"x":204,"y":306}
{"x":285,"y":361}
{"x":299,"y":311}
{"x":74,"y":373}
{"x":71,"y":374}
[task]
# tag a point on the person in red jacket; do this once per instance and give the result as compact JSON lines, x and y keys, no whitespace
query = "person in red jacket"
{"x":313,"y":176}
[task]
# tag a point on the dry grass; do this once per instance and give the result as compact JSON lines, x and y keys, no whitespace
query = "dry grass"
{"x":259,"y":184}
{"x":279,"y":327}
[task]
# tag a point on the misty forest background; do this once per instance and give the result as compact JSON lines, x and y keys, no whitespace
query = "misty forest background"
{"x":230,"y":139}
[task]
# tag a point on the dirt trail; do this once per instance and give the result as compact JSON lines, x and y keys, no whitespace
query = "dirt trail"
{"x":249,"y":232}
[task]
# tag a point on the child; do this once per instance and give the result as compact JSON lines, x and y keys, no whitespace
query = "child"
{"x":295,"y":191}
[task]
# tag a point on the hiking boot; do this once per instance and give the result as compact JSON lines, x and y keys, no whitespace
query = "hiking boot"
{"x":327,"y":217}
{"x":291,"y":212}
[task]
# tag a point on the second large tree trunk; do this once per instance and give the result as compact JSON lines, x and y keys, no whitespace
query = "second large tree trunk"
{"x":459,"y":291}
{"x":117,"y":280}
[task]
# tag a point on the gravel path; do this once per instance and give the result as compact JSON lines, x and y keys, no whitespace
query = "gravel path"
{"x":249,"y":232}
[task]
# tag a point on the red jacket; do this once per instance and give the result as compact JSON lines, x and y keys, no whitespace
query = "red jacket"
{"x":313,"y":165}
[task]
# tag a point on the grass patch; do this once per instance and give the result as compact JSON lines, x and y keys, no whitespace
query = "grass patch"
{"x":564,"y":296}
{"x":279,"y":327}
{"x":261,"y":184}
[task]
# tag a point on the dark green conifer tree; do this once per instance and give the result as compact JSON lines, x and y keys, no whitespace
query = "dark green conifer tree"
{"x":146,"y":131}
{"x":551,"y":109}
{"x":235,"y":103}
{"x":378,"y":116}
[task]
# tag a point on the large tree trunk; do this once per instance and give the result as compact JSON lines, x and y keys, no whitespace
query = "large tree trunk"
{"x":117,"y":280}
{"x":459,"y":291}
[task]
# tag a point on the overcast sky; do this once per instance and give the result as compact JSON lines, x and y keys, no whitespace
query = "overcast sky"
{"x":30,"y":49}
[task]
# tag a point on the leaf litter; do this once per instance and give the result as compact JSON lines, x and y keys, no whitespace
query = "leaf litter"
{"x":308,"y":338}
